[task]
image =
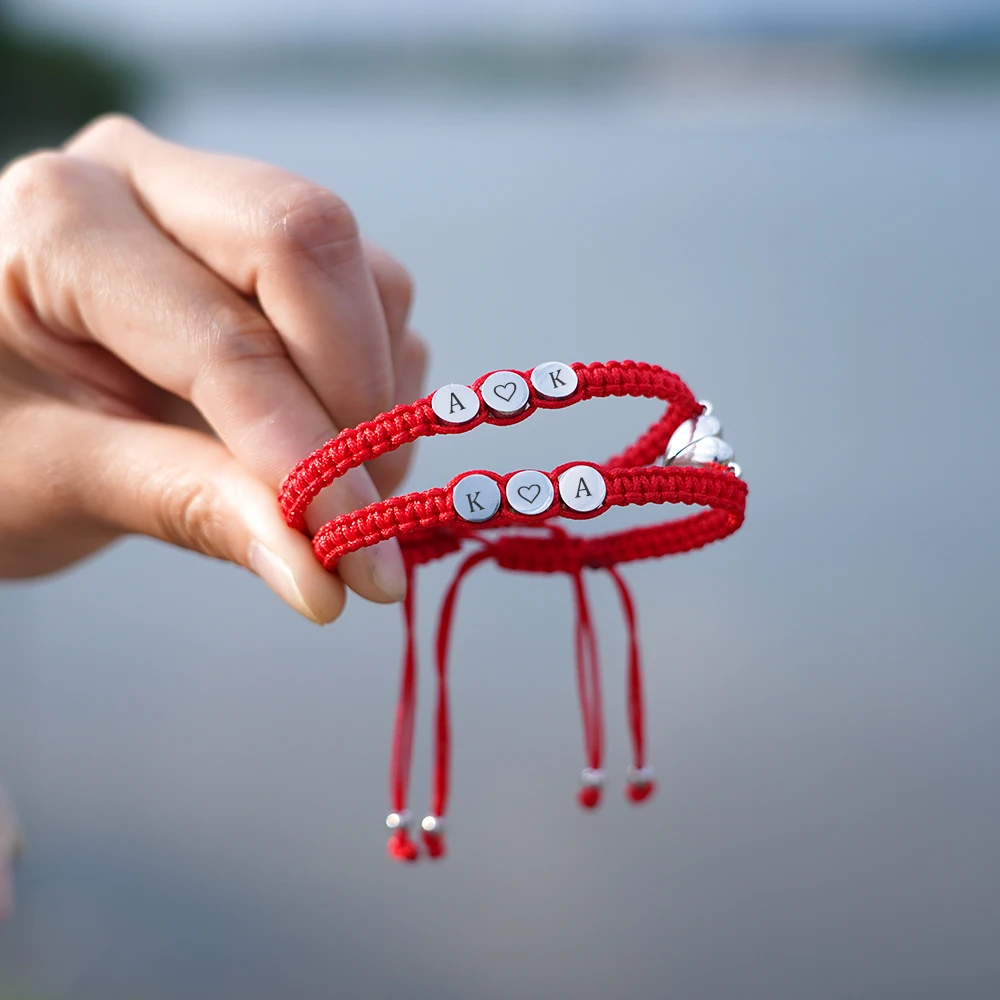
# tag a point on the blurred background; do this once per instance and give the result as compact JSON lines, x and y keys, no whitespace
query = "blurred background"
{"x":794,"y":205}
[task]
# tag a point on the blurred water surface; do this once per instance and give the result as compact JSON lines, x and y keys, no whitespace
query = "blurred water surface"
{"x":202,"y":775}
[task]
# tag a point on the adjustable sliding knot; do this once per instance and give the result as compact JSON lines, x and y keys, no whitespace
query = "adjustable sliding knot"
{"x":532,"y":554}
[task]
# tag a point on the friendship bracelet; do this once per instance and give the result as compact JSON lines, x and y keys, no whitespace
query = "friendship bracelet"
{"x":482,"y":499}
{"x":501,"y":398}
{"x":680,"y":458}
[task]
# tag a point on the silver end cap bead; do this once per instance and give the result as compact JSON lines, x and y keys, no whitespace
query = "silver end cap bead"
{"x":432,"y":824}
{"x":592,"y":777}
{"x":639,"y":775}
{"x":399,"y":820}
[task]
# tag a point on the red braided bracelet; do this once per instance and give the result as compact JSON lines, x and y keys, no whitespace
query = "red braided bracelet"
{"x":477,"y":404}
{"x":696,"y":470}
{"x":423,"y":514}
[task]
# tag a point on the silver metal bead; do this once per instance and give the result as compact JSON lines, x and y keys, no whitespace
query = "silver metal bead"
{"x":455,"y":403}
{"x":432,"y":824}
{"x":639,"y":775}
{"x":554,"y":379}
{"x":476,"y":497}
{"x":582,"y":488}
{"x":505,"y":393}
{"x":698,"y":442}
{"x":399,"y":820}
{"x":530,"y":492}
{"x":592,"y":777}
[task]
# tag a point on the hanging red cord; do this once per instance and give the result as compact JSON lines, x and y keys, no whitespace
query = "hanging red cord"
{"x":433,"y":823}
{"x":400,"y":846}
{"x":588,"y":679}
{"x":640,"y":775}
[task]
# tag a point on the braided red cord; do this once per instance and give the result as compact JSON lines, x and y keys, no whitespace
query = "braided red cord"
{"x":428,"y":527}
{"x":642,"y":786}
{"x":406,"y":423}
{"x":427,"y":513}
{"x":400,"y":846}
{"x":434,"y":839}
{"x":588,"y":682}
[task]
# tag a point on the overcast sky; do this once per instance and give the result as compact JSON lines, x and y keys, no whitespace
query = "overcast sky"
{"x":129,"y":19}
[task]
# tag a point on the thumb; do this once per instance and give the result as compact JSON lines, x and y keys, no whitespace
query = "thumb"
{"x":184,"y":487}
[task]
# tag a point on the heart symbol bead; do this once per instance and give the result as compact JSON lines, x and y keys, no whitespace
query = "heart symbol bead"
{"x":534,"y":490}
{"x":512,"y":386}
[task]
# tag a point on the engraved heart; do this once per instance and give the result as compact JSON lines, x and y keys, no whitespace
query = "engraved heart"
{"x":534,"y":491}
{"x":512,"y":386}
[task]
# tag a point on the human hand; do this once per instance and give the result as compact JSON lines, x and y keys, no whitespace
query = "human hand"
{"x":177,"y":330}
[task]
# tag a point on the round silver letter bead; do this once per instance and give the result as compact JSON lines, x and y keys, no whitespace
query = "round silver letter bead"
{"x":476,"y":497}
{"x":505,"y":393}
{"x":582,"y":488}
{"x":530,"y":492}
{"x":455,"y":404}
{"x":554,"y":379}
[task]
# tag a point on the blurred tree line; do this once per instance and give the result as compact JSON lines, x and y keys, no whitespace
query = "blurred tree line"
{"x":50,"y":86}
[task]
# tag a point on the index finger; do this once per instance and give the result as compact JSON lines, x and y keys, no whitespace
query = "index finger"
{"x":97,"y":268}
{"x":270,"y":234}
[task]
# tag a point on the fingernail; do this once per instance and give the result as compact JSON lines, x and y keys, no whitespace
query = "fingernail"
{"x":388,"y":569}
{"x":278,"y":575}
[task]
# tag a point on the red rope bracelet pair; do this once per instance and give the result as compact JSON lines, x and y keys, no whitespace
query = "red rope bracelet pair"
{"x":696,"y":469}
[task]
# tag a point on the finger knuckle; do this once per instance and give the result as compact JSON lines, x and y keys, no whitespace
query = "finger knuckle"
{"x":106,"y":130}
{"x":395,"y":284}
{"x":417,"y":352}
{"x":307,"y":221}
{"x":227,"y":335}
{"x":43,"y":185}
{"x":187,"y":514}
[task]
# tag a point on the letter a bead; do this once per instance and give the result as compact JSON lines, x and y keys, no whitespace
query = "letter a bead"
{"x":582,"y":488}
{"x":455,"y":404}
{"x":476,"y":497}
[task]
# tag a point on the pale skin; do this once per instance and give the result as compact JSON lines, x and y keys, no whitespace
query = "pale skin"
{"x":177,"y":330}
